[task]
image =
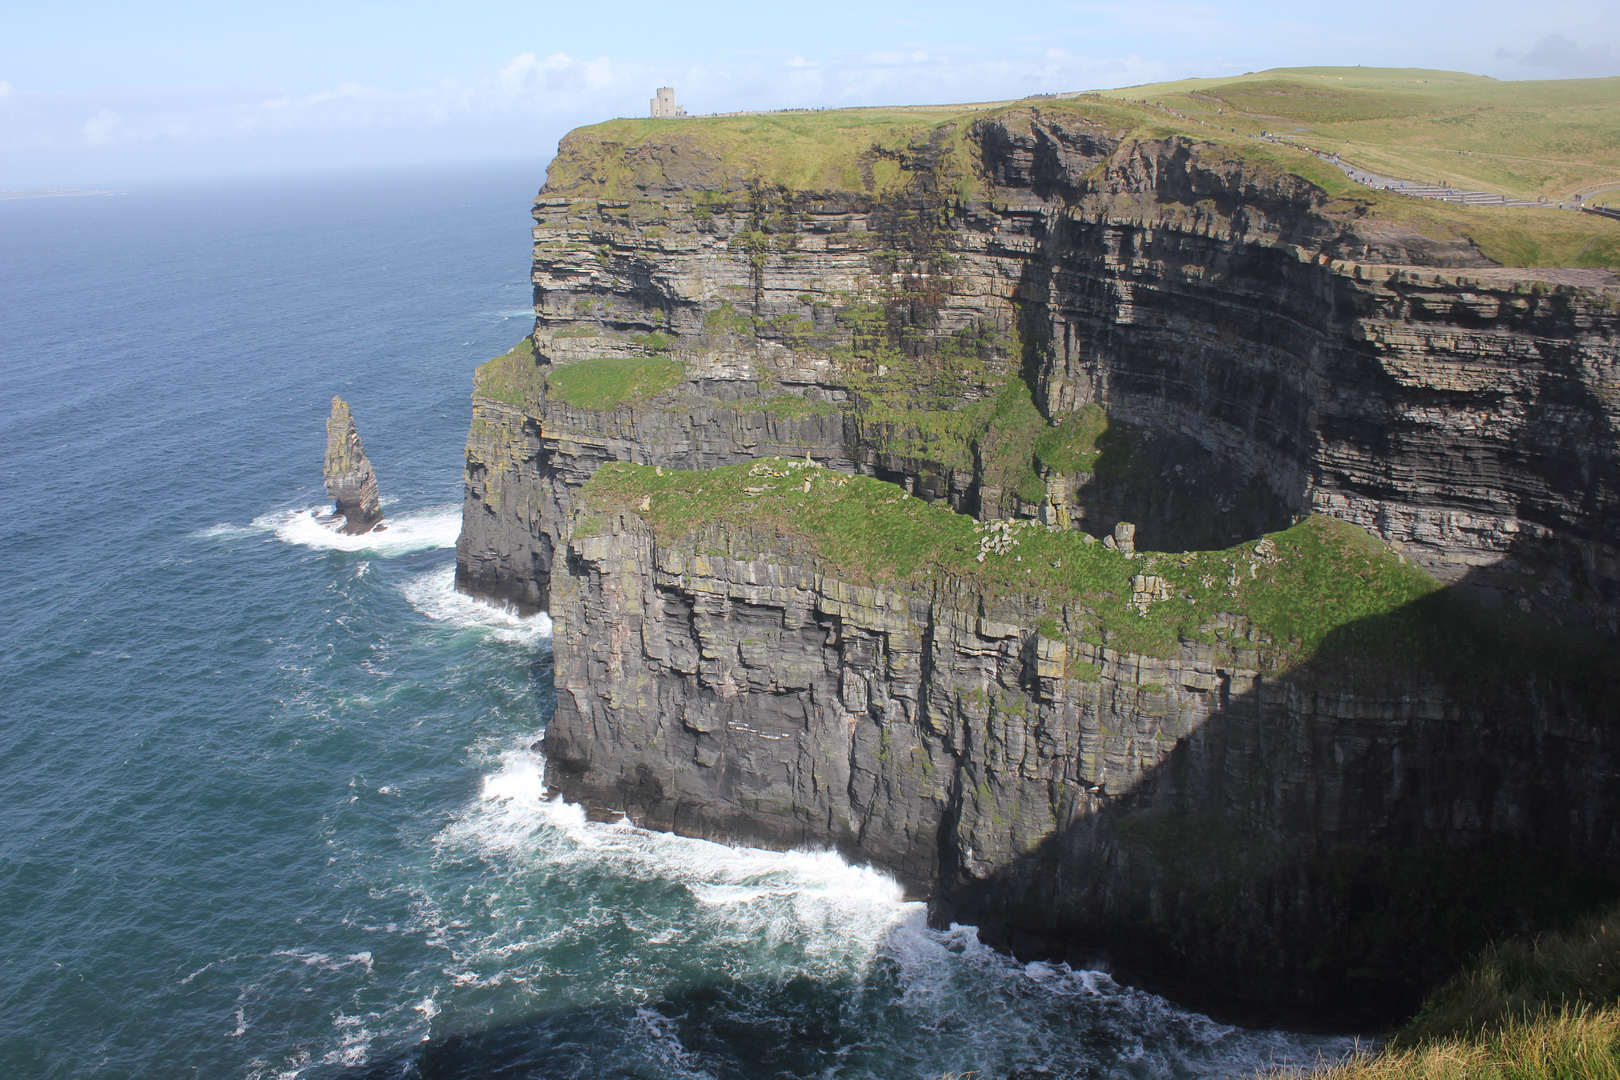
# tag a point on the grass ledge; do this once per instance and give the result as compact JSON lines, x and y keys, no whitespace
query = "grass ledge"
{"x":1321,"y":591}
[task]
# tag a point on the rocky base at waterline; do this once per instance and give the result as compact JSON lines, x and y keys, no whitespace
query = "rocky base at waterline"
{"x":350,"y":480}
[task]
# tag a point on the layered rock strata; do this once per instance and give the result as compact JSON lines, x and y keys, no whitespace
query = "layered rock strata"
{"x":1262,"y":351}
{"x":350,"y":481}
{"x":1268,"y":844}
{"x":1276,"y":354}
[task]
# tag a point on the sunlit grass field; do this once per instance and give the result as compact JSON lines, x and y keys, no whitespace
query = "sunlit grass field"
{"x":1529,"y":139}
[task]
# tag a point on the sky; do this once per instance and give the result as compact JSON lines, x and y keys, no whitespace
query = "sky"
{"x":103,"y":94}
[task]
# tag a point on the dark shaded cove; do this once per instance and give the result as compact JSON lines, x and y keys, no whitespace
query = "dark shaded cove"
{"x":1277,"y":871}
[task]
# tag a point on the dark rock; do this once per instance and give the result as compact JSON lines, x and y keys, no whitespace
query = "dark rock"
{"x":350,"y":481}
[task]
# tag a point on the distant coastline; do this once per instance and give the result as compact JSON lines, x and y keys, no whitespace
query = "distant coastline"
{"x":54,"y":193}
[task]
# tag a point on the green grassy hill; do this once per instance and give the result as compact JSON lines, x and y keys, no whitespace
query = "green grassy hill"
{"x":1527,"y":139}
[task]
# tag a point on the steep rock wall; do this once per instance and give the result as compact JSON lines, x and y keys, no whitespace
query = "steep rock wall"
{"x":1262,"y":351}
{"x":1192,"y":818}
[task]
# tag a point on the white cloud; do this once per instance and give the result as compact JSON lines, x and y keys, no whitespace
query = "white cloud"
{"x":913,"y":57}
{"x":102,"y":127}
{"x":518,"y":108}
{"x":526,"y":87}
{"x":531,"y":86}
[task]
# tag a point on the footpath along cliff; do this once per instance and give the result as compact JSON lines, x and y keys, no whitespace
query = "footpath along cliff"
{"x":1149,"y":551}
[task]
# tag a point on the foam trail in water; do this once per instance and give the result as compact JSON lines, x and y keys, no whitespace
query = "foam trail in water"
{"x":766,"y":912}
{"x":716,"y":873}
{"x":763,"y":915}
{"x":434,"y":595}
{"x":416,"y":530}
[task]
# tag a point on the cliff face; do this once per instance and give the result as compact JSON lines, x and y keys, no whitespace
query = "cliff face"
{"x":350,"y":481}
{"x":1034,"y":314}
{"x":1293,"y":843}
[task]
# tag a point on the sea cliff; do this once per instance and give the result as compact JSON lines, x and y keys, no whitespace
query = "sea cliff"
{"x":1331,"y":701}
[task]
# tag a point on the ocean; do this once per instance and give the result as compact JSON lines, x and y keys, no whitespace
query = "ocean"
{"x":268,"y":806}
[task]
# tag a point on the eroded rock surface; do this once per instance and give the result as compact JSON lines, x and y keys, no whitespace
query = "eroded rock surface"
{"x":350,"y":480}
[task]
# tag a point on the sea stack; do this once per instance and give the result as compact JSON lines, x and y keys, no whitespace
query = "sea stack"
{"x":350,"y":480}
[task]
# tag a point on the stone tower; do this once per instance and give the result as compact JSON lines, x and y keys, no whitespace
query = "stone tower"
{"x":664,"y":104}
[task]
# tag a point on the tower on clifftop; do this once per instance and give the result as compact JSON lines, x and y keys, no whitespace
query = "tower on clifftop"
{"x":664,"y":103}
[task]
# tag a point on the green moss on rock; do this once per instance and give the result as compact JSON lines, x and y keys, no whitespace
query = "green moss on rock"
{"x":607,"y":382}
{"x":1071,"y":444}
{"x":514,"y":378}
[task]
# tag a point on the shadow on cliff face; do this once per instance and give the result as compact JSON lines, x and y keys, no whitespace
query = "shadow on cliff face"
{"x":1335,"y":842}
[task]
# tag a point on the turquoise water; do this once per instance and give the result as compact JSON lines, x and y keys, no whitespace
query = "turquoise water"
{"x":268,"y":807}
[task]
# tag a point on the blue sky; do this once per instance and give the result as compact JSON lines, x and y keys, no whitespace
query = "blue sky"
{"x":101,"y":93}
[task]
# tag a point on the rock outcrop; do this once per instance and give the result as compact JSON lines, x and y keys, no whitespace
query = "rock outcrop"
{"x":350,"y":481}
{"x":1033,"y":313}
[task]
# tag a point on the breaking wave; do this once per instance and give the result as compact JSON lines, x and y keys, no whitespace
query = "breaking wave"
{"x":414,"y":530}
{"x":434,"y":595}
{"x":683,"y":938}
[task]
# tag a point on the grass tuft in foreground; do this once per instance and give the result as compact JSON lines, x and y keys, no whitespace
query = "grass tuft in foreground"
{"x":1517,"y":982}
{"x":1571,"y":1045}
{"x":1526,"y":1010}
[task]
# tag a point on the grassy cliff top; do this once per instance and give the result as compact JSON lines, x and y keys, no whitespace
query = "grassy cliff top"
{"x":828,"y":150}
{"x":1322,"y":590}
{"x":517,"y":378}
{"x":1527,"y":139}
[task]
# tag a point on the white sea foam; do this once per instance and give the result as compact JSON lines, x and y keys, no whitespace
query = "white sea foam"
{"x":227,"y":531}
{"x":515,"y":808}
{"x":418,"y":530}
{"x":415,"y":530}
{"x":434,"y":595}
{"x":759,"y":917}
{"x":325,"y":961}
{"x":763,"y":913}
